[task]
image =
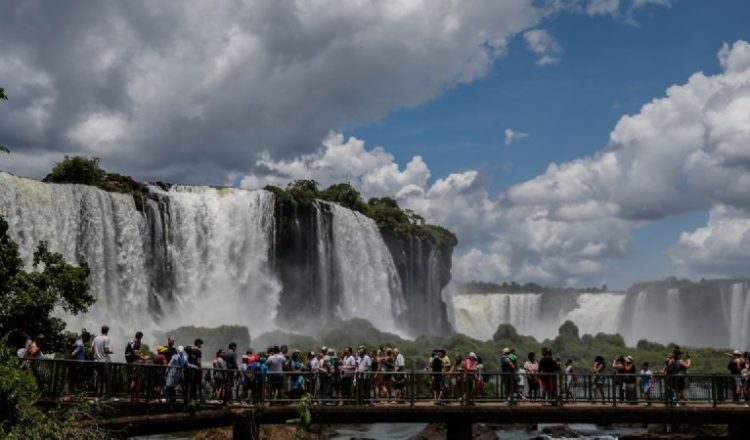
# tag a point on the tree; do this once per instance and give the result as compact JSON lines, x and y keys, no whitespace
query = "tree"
{"x":28,"y":299}
{"x":4,"y":97}
{"x":77,"y":169}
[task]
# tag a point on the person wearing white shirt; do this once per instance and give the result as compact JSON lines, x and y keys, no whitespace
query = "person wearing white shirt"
{"x":364,"y":369}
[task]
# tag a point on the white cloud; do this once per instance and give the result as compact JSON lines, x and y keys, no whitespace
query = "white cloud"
{"x":689,"y":150}
{"x":375,"y":172}
{"x":512,"y":136}
{"x":543,"y":44}
{"x":602,"y":7}
{"x":721,"y":247}
{"x":185,"y":91}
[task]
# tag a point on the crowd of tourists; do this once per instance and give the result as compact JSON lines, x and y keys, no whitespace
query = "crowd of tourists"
{"x":376,"y":375}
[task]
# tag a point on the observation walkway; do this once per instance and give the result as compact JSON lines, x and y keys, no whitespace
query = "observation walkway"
{"x":132,"y":399}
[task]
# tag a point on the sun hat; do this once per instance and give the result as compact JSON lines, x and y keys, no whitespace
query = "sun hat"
{"x":506,"y":350}
{"x":472,"y":355}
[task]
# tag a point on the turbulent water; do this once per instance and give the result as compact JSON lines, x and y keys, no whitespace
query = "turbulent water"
{"x":197,"y":255}
{"x":715,"y":313}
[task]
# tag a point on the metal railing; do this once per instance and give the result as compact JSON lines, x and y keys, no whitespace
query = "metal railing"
{"x":145,"y":382}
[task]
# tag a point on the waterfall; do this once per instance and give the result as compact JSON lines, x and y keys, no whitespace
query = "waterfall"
{"x":198,"y":256}
{"x":370,"y":287}
{"x":673,"y":318}
{"x":479,"y":315}
{"x":597,"y":312}
{"x":736,"y":315}
{"x":220,"y":246}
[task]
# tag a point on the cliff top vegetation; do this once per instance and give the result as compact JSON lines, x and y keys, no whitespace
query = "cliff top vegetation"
{"x":514,"y":287}
{"x":385,"y":211}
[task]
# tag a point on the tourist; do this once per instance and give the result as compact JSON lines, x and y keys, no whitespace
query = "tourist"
{"x":101,"y":352}
{"x":134,"y":356}
{"x":102,"y":349}
{"x":388,"y":368}
{"x":364,"y":366}
{"x":470,"y":373}
{"x":570,"y":379}
{"x":735,"y":366}
{"x":646,"y":383}
{"x":399,"y":378}
{"x":232,"y":366}
{"x":508,"y":370}
{"x":88,"y":353}
{"x":246,"y":378}
{"x":680,"y":368}
{"x":348,"y":368}
{"x":746,"y":383}
{"x":297,"y":380}
{"x":436,"y":366}
{"x":481,"y":378}
{"x":259,"y":371}
{"x":630,"y":380}
{"x":194,"y":377}
{"x":516,"y":388}
{"x":159,"y":373}
{"x":275,"y":364}
{"x":619,"y":365}
{"x":447,"y":367}
{"x":34,"y":356}
{"x":531,"y":370}
{"x":171,"y":349}
{"x":219,"y":367}
{"x":548,"y":371}
{"x":598,"y":381}
{"x":457,"y":376}
{"x":76,"y":352}
{"x":177,"y":365}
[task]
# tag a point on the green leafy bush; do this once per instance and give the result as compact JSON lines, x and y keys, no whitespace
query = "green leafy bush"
{"x":77,"y":169}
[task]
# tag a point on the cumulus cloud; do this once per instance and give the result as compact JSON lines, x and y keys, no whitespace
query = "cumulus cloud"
{"x":512,"y":136}
{"x":375,"y":172}
{"x":543,"y":44}
{"x":686,"y":151}
{"x":721,"y":247}
{"x":188,"y":90}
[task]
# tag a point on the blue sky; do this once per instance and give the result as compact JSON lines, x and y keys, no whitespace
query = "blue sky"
{"x":609,"y":68}
{"x":615,"y":181}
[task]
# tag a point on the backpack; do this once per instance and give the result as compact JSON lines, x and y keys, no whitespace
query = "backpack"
{"x":129,"y":355}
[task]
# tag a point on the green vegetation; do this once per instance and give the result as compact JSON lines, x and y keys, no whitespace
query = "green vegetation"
{"x":3,"y":97}
{"x":27,"y":300}
{"x":88,"y":171}
{"x":513,"y":287}
{"x":568,"y":345}
{"x":385,"y":211}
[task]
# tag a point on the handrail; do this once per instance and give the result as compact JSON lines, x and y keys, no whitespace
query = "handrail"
{"x":63,"y":378}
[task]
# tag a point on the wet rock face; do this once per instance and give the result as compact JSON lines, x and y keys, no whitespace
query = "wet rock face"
{"x":424,"y":267}
{"x":334,"y":263}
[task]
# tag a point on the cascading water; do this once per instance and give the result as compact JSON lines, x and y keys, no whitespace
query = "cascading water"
{"x":369,"y":284}
{"x":199,"y":256}
{"x":478,"y":315}
{"x":219,"y":245}
{"x":597,"y":312}
{"x":736,"y":313}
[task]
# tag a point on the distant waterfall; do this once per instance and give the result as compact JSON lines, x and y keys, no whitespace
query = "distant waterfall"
{"x":479,"y":315}
{"x":736,"y":307}
{"x":597,"y":312}
{"x":370,"y":286}
{"x":197,"y":256}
